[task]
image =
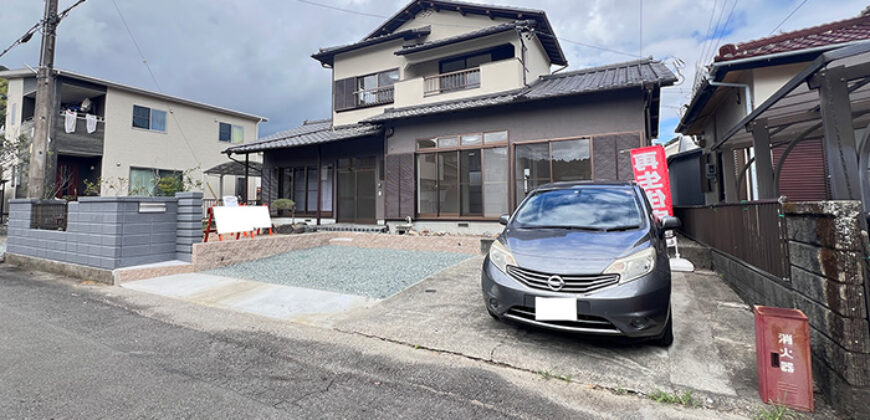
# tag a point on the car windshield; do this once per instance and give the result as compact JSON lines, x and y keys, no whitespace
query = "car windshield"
{"x":581,"y":208}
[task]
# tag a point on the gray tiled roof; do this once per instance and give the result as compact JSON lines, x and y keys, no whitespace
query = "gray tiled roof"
{"x":309,"y":133}
{"x":595,"y":79}
{"x":489,"y":30}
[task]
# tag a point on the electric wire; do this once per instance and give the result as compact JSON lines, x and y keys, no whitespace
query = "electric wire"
{"x":156,"y":83}
{"x":788,"y":17}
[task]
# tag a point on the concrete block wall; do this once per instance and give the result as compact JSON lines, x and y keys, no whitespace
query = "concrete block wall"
{"x":189,"y":224}
{"x":828,"y":282}
{"x":105,"y":232}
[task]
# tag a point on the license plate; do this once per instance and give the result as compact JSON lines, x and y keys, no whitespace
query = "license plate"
{"x":555,"y":309}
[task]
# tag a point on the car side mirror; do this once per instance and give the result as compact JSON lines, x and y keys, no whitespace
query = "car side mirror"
{"x":504,"y":219}
{"x":670,"y":222}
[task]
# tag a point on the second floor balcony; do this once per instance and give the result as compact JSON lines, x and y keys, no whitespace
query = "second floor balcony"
{"x":494,"y":77}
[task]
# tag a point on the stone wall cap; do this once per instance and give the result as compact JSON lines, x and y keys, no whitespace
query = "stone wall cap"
{"x":125,"y":199}
{"x":830,"y":207}
{"x":188,"y":194}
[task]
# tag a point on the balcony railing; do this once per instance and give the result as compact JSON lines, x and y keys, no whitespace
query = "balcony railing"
{"x":374,"y":96}
{"x":449,"y":82}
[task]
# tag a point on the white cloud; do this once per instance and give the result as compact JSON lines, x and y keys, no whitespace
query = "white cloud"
{"x":254,"y":56}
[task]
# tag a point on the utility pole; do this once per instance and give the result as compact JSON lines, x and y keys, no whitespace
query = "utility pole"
{"x":42,"y":156}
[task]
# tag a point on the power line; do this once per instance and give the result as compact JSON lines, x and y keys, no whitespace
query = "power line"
{"x":35,"y":28}
{"x":707,"y":36}
{"x":156,"y":83}
{"x":724,"y":26}
{"x":787,"y":17}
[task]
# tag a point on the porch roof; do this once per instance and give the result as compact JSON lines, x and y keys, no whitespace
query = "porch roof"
{"x":315,"y":132}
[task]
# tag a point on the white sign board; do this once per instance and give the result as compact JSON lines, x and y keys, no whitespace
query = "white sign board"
{"x":241,"y":219}
{"x":260,"y":217}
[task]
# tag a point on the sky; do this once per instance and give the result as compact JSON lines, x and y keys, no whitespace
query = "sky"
{"x":254,"y":55}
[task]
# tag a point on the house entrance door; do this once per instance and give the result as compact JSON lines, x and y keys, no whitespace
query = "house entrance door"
{"x":356,"y":190}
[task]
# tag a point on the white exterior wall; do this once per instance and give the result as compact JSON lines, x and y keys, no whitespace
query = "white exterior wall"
{"x":361,"y":62}
{"x":495,"y":77}
{"x":126,"y":146}
{"x":767,"y":80}
{"x":446,"y":23}
{"x":537,"y":60}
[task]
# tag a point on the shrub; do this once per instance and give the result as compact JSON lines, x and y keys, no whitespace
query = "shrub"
{"x":283,"y":204}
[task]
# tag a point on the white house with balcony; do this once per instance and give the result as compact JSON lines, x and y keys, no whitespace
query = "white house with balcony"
{"x":448,"y":113}
{"x":116,"y":139}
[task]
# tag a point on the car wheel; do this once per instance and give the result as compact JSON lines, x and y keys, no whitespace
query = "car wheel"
{"x":667,"y":337}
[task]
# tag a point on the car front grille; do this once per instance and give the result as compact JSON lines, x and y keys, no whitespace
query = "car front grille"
{"x":584,"y":323}
{"x":573,"y":283}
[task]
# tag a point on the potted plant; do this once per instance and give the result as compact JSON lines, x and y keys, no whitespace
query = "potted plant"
{"x":284,"y":206}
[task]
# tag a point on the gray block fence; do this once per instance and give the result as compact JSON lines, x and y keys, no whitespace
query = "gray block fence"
{"x":112,"y":232}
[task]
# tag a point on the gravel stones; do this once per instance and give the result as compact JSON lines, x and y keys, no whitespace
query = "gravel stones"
{"x":372,"y":272}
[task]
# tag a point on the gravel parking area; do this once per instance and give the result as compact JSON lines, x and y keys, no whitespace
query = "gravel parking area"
{"x":372,"y":272}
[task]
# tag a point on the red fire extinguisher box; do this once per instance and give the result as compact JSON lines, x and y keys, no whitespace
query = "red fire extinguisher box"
{"x":782,"y":346}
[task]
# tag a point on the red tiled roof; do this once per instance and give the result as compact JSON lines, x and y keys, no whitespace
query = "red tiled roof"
{"x":854,"y":29}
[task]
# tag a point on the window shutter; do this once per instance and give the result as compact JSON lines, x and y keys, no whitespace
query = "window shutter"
{"x":342,"y":94}
{"x":407,"y":185}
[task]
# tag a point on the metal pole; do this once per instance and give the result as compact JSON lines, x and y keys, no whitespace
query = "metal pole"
{"x":763,"y":159}
{"x":319,"y":184}
{"x":839,"y":141}
{"x":41,"y":155}
{"x":247,"y":156}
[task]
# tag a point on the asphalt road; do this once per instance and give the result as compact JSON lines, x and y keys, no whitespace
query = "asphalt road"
{"x":69,"y":350}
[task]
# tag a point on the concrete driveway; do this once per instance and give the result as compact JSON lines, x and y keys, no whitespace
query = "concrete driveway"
{"x":712,"y":355}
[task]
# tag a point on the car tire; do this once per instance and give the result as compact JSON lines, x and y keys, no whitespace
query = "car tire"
{"x":667,"y":337}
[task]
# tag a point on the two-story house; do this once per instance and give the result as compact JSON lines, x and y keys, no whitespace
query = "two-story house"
{"x":126,"y":137}
{"x":449,"y":113}
{"x":741,"y":78}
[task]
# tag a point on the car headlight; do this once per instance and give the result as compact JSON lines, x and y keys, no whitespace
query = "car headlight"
{"x":633,"y":266}
{"x":500,"y":256}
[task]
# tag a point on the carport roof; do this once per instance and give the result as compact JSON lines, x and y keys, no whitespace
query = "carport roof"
{"x":236,"y":169}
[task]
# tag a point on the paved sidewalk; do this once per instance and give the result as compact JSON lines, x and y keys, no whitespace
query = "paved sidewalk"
{"x":269,"y":300}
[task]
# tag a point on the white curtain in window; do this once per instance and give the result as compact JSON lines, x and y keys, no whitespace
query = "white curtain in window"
{"x":238,"y":134}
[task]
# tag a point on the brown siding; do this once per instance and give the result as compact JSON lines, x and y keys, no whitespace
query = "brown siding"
{"x":803,"y":174}
{"x":611,"y":158}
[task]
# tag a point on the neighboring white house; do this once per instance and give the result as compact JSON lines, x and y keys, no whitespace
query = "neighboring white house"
{"x":139,"y":136}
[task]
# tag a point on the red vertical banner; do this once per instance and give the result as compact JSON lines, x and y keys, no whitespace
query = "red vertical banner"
{"x":651,"y":173}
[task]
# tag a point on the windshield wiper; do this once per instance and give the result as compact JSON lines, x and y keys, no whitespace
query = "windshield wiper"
{"x":622,"y":228}
{"x":587,"y":228}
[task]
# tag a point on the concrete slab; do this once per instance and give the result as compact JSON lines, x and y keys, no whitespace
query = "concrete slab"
{"x":711,"y":358}
{"x":269,"y":300}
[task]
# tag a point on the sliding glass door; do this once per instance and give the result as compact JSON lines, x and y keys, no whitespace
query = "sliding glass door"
{"x":550,"y":161}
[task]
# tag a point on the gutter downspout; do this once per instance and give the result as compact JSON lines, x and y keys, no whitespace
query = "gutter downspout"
{"x":747,"y":92}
